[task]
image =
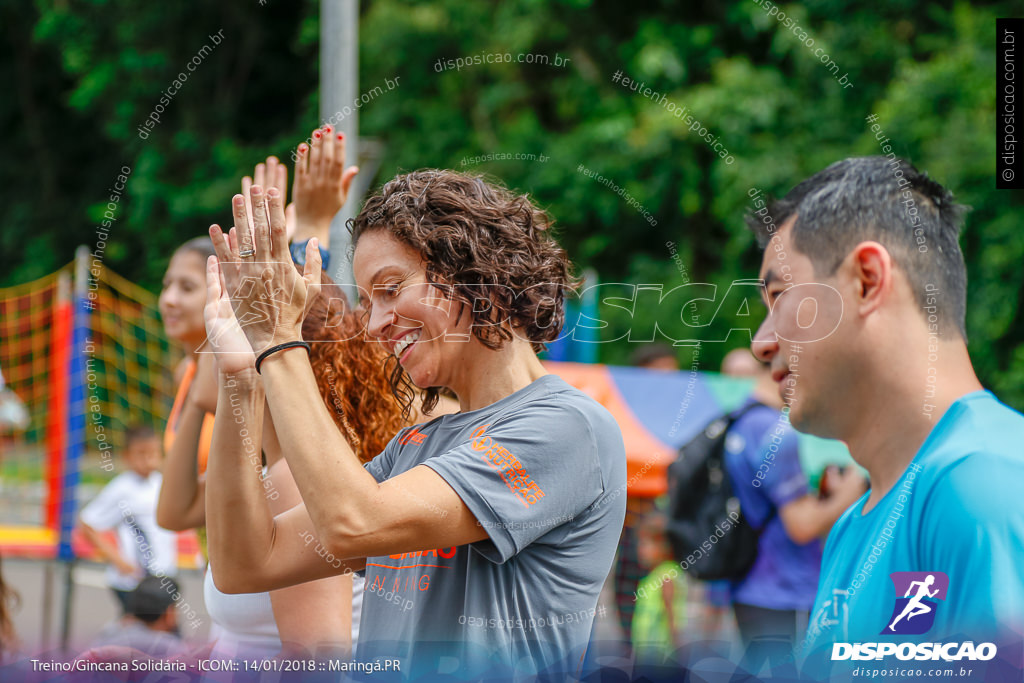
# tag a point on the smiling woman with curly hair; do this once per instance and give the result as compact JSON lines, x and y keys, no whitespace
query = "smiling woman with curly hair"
{"x":483,"y":246}
{"x":485,"y":536}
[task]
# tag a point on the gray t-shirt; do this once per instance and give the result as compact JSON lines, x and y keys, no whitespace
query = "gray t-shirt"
{"x":540,"y":470}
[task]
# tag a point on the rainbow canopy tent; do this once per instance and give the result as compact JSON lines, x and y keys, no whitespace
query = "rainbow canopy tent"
{"x":660,"y":411}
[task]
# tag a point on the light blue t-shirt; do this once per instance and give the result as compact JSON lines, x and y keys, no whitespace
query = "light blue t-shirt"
{"x":957,"y":510}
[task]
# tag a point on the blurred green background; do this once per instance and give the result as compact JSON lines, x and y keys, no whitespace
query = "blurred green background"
{"x":82,"y":75}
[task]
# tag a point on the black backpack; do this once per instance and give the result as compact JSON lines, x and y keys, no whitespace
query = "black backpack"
{"x":709,"y":535}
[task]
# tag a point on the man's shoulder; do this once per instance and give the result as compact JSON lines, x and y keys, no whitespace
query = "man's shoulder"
{"x":979,"y":417}
{"x":977,"y":485}
{"x":967,"y":474}
{"x":981,"y":444}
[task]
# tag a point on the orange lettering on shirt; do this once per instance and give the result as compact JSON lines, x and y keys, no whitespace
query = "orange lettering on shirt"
{"x":508,"y":466}
{"x":412,"y":436}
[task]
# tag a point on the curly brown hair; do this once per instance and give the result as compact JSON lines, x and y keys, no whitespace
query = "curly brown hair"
{"x":350,"y":373}
{"x":480,"y":242}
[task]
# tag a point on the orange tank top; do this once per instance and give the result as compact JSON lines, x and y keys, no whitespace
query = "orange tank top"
{"x":205,"y":435}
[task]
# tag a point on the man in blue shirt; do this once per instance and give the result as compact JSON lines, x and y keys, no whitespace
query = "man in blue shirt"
{"x":866,"y":338}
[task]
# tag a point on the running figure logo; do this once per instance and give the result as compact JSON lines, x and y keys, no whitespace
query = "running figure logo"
{"x":914,"y":613}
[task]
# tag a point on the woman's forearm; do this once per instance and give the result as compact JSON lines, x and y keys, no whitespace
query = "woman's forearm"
{"x":335,"y":487}
{"x":239,"y":524}
{"x":181,"y":505}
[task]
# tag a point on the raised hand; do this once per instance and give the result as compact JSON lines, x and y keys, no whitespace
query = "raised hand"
{"x":267,"y":294}
{"x":226,"y":342}
{"x":321,"y":183}
{"x":271,"y":173}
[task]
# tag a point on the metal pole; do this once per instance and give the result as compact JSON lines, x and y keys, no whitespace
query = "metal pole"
{"x":76,"y":432}
{"x":339,"y":89}
{"x":69,"y":597}
{"x":48,"y":591}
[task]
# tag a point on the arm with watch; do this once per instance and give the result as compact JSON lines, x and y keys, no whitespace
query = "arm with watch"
{"x":345,"y":512}
{"x":244,"y":534}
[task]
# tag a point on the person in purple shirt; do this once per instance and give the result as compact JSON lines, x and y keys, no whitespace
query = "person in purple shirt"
{"x":772,"y":600}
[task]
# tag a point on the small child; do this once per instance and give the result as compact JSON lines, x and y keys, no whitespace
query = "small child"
{"x":151,"y":624}
{"x":661,"y":597}
{"x":128,"y":503}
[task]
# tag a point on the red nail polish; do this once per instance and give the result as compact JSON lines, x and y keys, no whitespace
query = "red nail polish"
{"x":341,"y":136}
{"x":316,"y":134}
{"x":328,"y":129}
{"x":302,"y":147}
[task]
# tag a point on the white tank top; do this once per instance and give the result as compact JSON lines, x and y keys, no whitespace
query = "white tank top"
{"x":245,"y":623}
{"x":357,"y":607}
{"x":246,"y":620}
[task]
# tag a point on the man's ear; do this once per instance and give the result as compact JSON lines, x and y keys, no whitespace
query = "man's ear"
{"x":871,"y":269}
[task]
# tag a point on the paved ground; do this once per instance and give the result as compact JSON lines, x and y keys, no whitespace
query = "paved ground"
{"x":93,"y":605}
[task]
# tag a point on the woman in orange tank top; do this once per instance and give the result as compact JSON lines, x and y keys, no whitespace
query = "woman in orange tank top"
{"x":191,"y":419}
{"x":187,"y":371}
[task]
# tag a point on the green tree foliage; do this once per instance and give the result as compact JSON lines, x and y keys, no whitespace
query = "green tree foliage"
{"x":84,"y":75}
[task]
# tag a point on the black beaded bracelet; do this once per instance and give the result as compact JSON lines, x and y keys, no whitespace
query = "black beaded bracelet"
{"x":280,"y":347}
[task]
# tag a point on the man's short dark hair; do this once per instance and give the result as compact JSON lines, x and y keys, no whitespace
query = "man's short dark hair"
{"x":887,"y":200}
{"x":151,"y":598}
